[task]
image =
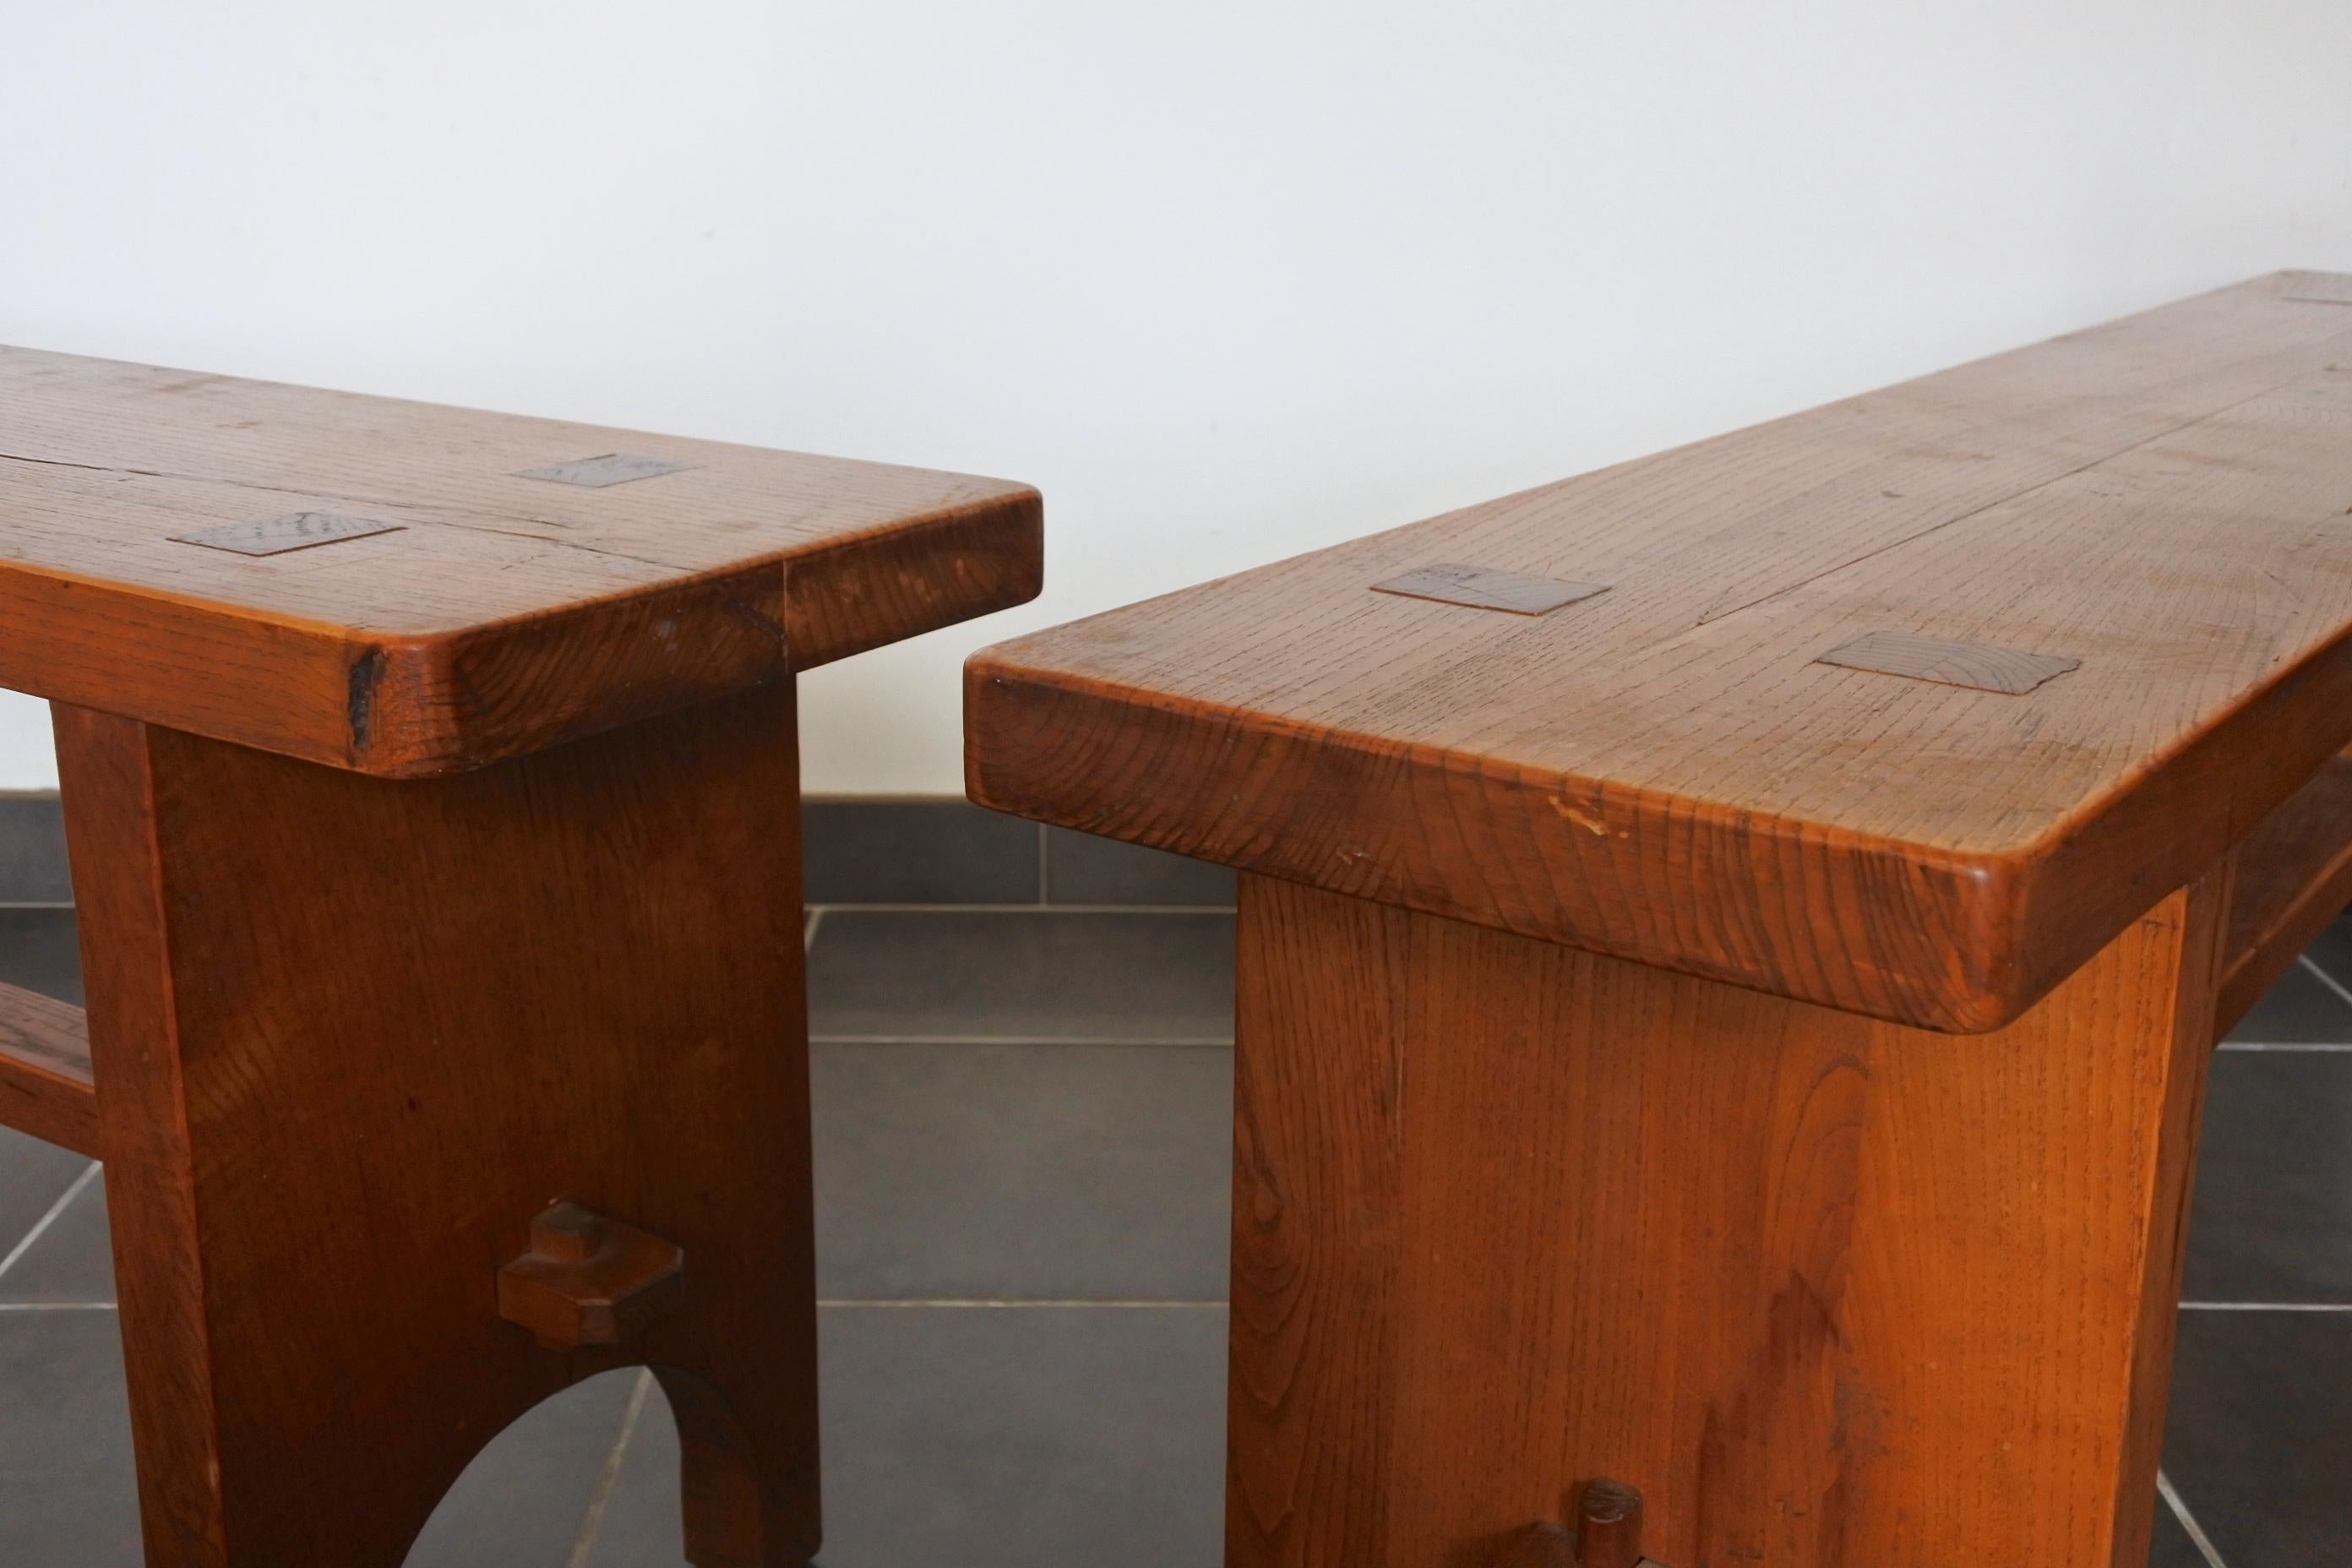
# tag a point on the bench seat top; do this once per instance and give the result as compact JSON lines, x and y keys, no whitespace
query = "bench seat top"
{"x":1905,"y":705}
{"x":405,"y":589}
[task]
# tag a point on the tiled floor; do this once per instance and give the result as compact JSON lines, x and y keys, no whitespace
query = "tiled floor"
{"x":1021,"y":1123}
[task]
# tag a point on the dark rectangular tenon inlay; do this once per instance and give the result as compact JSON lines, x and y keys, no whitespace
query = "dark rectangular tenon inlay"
{"x":1973,"y":665}
{"x":294,"y":531}
{"x":2318,"y":289}
{"x":1486,"y":588}
{"x":611,"y":469}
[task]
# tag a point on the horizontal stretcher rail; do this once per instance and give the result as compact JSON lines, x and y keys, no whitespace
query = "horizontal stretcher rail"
{"x":46,"y":1088}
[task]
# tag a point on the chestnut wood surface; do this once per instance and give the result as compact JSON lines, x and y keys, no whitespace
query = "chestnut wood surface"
{"x":495,"y":615}
{"x":2294,"y":876}
{"x":1509,"y":1217}
{"x":432,"y":793}
{"x":45,"y":1081}
{"x":1668,"y":772}
{"x":353,"y":1036}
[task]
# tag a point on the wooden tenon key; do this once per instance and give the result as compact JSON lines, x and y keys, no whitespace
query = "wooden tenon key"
{"x":431,"y":787}
{"x":1729,"y":947}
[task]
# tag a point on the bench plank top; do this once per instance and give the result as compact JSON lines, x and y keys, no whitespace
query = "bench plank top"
{"x":1905,"y":705}
{"x":408,"y":589}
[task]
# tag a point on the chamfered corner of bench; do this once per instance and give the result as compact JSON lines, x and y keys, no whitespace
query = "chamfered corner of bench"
{"x":422,"y":706}
{"x":885,"y":587}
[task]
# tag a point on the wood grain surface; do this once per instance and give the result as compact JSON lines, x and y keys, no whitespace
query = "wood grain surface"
{"x":1666,"y":772}
{"x":2294,"y":876}
{"x":494,"y":613}
{"x":45,"y":1081}
{"x":1832,"y":1293}
{"x":353,"y":1034}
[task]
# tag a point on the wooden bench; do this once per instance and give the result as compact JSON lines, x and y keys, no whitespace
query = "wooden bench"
{"x":1624,"y":859}
{"x":431,"y":789}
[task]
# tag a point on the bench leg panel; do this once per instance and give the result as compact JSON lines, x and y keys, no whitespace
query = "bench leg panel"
{"x":1831,"y":1293}
{"x":353,"y":1034}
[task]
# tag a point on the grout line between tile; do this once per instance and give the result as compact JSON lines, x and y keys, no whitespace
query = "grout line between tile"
{"x":42,"y":1225}
{"x":2325,"y":978}
{"x":2286,"y":1048}
{"x":808,"y":927}
{"x":57,"y":1306}
{"x":982,"y":1304}
{"x":602,"y":1497}
{"x":1186,"y":1041}
{"x":2197,"y":1535}
{"x":2266,"y":1306}
{"x":36,"y":903}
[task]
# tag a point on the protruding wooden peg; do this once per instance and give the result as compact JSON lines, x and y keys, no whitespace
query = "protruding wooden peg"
{"x":1609,"y":1526}
{"x":1539,"y":1546}
{"x":590,"y":1280}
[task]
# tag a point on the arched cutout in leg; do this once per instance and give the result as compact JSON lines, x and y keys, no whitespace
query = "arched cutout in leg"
{"x":583,"y":1420}
{"x":312,"y":1362}
{"x":749,"y":1503}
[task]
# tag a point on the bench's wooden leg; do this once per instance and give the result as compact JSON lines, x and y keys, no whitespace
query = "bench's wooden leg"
{"x":353,"y":1036}
{"x":1829,"y":1292}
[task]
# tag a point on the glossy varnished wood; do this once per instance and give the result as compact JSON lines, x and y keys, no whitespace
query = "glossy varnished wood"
{"x":353,"y":1034}
{"x":1509,"y":1217}
{"x":44,"y":1081}
{"x":446,"y":609}
{"x":1667,"y":772}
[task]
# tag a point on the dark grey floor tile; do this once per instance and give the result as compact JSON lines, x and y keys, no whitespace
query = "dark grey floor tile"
{"x":1101,"y":1173}
{"x":37,"y":952}
{"x":2171,"y":1546}
{"x":1015,"y":1437}
{"x":523,"y":1499}
{"x":1024,"y":975}
{"x":33,"y":1176}
{"x":916,"y":852}
{"x":2300,"y":1009}
{"x":2333,"y":950}
{"x":1081,"y":868}
{"x":73,"y":1260}
{"x":2256,"y":1438}
{"x":33,"y":850}
{"x":2271,"y":1219}
{"x":67,"y":1499}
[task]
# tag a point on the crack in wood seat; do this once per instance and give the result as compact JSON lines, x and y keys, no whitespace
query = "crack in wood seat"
{"x":1600,"y":1111}
{"x":432,"y":794}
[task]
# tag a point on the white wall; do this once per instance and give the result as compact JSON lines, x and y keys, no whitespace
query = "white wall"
{"x":1226,"y":279}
